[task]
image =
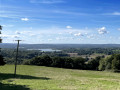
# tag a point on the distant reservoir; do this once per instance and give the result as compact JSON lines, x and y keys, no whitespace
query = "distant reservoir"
{"x":46,"y":50}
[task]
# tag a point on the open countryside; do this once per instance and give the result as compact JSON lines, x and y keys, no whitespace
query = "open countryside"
{"x":59,"y":44}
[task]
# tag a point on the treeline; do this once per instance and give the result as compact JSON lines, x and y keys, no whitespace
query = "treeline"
{"x":90,"y":51}
{"x":9,"y":54}
{"x":99,"y":63}
{"x":65,"y":62}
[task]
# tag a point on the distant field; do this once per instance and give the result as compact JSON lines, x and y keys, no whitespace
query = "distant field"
{"x":48,"y":78}
{"x":89,"y":56}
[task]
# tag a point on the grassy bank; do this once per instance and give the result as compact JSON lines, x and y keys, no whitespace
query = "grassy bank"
{"x":49,"y":78}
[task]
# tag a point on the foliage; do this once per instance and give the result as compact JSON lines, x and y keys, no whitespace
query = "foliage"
{"x":79,"y":63}
{"x":116,"y":62}
{"x":93,"y":63}
{"x":69,"y":63}
{"x":76,"y":63}
{"x":110,"y":63}
{"x":62,"y":60}
{"x":41,"y":61}
{"x":58,"y":62}
{"x":2,"y":62}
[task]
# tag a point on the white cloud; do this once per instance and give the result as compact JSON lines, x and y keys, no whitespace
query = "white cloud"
{"x":70,"y":32}
{"x":119,"y":29}
{"x":60,"y":33}
{"x":78,"y":34}
{"x":92,"y":36}
{"x":15,"y":36}
{"x":4,"y":36}
{"x":69,"y":12}
{"x":102,"y":30}
{"x":48,"y":34}
{"x":58,"y":38}
{"x":9,"y":36}
{"x":31,"y":27}
{"x":27,"y":32}
{"x":24,"y":19}
{"x":17,"y":32}
{"x":49,"y":39}
{"x":116,"y":13}
{"x":86,"y":33}
{"x":32,"y":35}
{"x":47,"y":1}
{"x":8,"y":25}
{"x":68,"y":27}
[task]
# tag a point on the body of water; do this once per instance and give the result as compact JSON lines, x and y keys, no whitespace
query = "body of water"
{"x":46,"y":50}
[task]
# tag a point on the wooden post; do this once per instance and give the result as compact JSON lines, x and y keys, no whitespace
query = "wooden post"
{"x":16,"y":57}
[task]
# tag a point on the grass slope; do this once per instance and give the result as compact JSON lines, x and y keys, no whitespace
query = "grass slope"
{"x":48,"y":78}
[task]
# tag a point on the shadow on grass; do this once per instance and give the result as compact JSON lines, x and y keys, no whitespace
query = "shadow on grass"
{"x":4,"y":76}
{"x":12,"y":87}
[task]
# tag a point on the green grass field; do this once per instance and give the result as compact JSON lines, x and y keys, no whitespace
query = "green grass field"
{"x":48,"y":78}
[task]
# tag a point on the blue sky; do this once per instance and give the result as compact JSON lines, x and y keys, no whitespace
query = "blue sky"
{"x":60,"y":21}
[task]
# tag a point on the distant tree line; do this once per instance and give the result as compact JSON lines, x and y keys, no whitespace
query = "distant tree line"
{"x":90,"y":51}
{"x":99,"y":63}
{"x":65,"y":62}
{"x":62,"y":60}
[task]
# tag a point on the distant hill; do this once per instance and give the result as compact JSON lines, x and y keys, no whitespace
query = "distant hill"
{"x":58,"y":46}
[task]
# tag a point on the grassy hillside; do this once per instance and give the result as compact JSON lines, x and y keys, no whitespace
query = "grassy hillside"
{"x":48,"y":78}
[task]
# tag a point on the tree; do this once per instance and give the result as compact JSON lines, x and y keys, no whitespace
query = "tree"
{"x":116,"y":62}
{"x":2,"y":62}
{"x":58,"y":62}
{"x":47,"y":61}
{"x":110,"y":63}
{"x":105,"y":63}
{"x":1,"y":57}
{"x":68,"y":63}
{"x":101,"y":66}
{"x":79,"y":63}
{"x":94,"y":63}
